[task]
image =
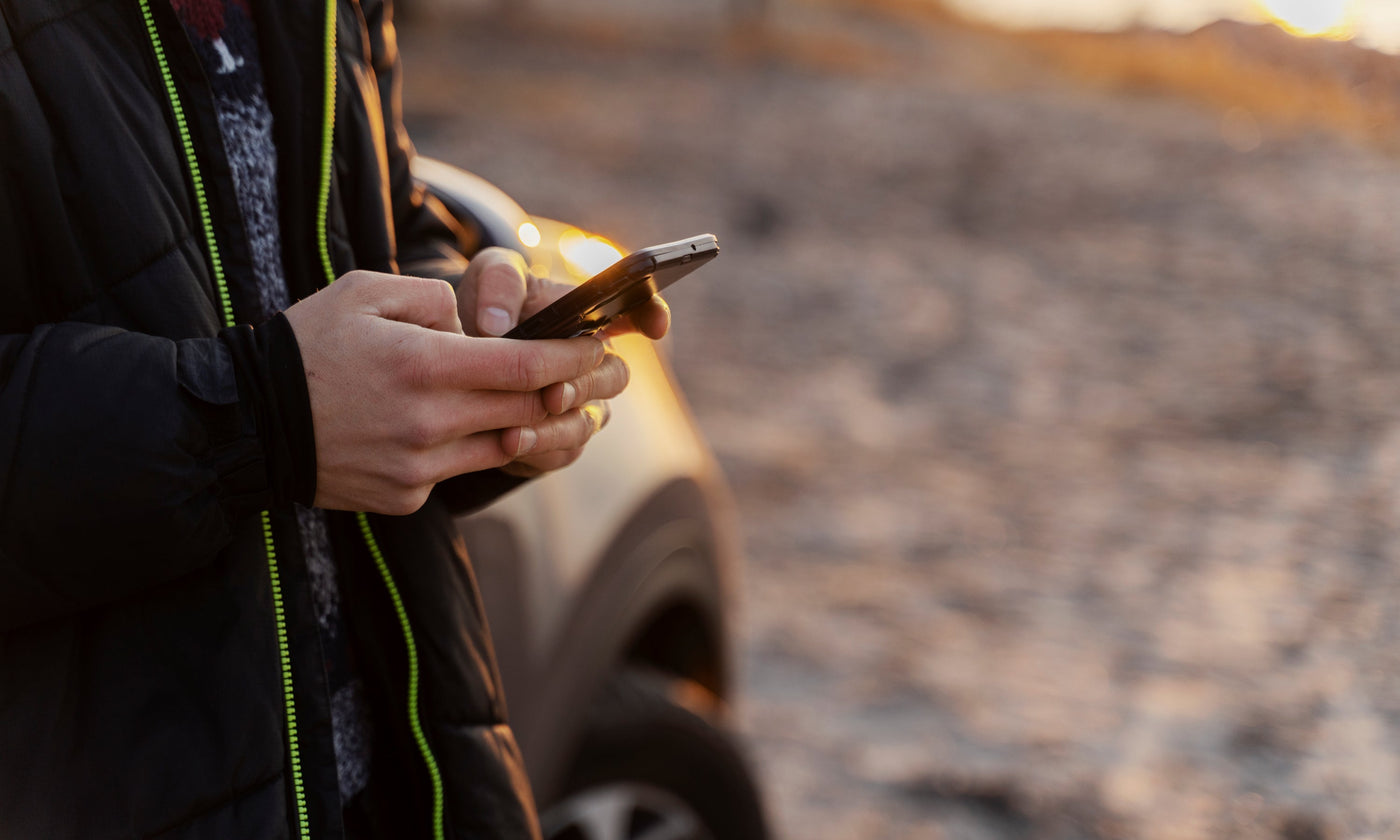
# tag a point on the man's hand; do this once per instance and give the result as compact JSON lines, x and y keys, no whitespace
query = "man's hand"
{"x":401,"y":399}
{"x":495,"y":294}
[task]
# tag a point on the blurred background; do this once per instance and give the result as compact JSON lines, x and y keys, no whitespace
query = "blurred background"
{"x":1053,"y":357}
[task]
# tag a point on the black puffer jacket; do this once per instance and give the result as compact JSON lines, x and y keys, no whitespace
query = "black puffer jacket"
{"x":142,"y":688}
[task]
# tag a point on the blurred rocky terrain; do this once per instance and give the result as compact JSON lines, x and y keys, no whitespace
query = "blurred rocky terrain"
{"x":1064,"y":419}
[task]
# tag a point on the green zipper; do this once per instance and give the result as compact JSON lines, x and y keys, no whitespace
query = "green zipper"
{"x":205,"y":219}
{"x":284,"y":654}
{"x":323,"y":192}
{"x":415,"y":721}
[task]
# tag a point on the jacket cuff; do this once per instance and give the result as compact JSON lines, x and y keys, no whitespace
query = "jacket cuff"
{"x":473,"y":491}
{"x":272,"y":391}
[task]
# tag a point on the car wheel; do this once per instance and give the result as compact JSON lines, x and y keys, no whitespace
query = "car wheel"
{"x":653,"y":765}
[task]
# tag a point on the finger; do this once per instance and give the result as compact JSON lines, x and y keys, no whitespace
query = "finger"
{"x":652,"y":319}
{"x":503,"y":410}
{"x":460,"y":414}
{"x":411,"y":300}
{"x":517,"y":446}
{"x":531,"y":467}
{"x":497,"y":364}
{"x":570,"y":430}
{"x":604,"y":382}
{"x":481,"y":451}
{"x":604,"y":409}
{"x":566,"y":431}
{"x":518,"y":442}
{"x":500,"y":287}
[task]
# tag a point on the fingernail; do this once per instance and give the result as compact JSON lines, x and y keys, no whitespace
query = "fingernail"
{"x":528,"y":439}
{"x":570,"y":394}
{"x":494,"y":321}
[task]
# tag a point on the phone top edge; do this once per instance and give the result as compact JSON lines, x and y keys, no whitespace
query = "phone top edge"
{"x":705,"y":243}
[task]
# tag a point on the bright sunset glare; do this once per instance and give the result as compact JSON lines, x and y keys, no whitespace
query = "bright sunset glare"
{"x":1308,"y":17}
{"x":587,"y":255}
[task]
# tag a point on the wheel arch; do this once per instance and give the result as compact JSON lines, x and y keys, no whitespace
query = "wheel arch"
{"x":658,"y":598}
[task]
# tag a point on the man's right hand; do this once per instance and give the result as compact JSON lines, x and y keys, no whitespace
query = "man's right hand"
{"x":401,"y":399}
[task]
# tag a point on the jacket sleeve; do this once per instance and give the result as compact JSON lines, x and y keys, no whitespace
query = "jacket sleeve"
{"x":430,"y":242}
{"x":127,"y":459}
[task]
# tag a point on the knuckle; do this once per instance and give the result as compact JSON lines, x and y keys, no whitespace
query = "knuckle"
{"x":498,"y":456}
{"x":441,"y":294}
{"x":617,"y":375}
{"x":593,"y":353}
{"x":414,"y":368}
{"x":419,"y":433}
{"x":589,"y":383}
{"x":358,"y":283}
{"x":531,"y":409}
{"x":531,"y":369}
{"x":573,"y":431}
{"x":584,"y":363}
{"x":503,"y":277}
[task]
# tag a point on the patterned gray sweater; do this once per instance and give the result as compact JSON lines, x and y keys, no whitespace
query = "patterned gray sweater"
{"x":223,"y":35}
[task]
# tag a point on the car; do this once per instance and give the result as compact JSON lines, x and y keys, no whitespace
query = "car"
{"x":609,"y":590}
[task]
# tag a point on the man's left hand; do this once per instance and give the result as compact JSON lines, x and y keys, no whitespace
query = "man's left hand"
{"x":496,"y":293}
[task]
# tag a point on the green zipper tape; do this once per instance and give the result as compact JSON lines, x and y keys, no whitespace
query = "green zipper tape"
{"x":181,"y":126}
{"x":284,"y":654}
{"x":414,"y":722}
{"x":323,"y":204}
{"x":323,"y":193}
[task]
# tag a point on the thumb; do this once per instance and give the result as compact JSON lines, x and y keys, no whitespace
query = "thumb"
{"x":415,"y":300}
{"x":493,"y":291}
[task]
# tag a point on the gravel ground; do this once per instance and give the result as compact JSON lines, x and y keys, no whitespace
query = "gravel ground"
{"x":1063,"y":430}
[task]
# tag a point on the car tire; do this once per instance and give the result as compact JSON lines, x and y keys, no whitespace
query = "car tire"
{"x":653,"y":763}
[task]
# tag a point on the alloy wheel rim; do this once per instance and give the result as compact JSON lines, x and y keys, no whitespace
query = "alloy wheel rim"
{"x":624,"y":811}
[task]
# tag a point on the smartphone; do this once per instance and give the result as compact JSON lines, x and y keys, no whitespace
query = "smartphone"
{"x":626,"y":283}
